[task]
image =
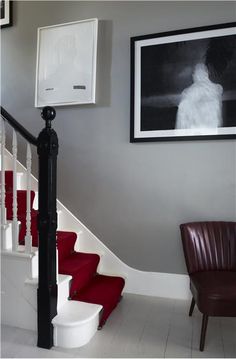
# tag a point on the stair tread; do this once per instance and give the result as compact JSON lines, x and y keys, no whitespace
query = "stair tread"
{"x":61,"y":278}
{"x":73,"y":313}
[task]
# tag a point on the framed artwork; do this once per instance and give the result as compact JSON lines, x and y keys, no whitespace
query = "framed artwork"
{"x":66,"y":64}
{"x":183,"y":84}
{"x":6,"y":13}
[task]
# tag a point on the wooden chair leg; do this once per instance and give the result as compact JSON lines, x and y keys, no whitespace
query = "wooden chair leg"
{"x":191,"y":307}
{"x":203,"y":331}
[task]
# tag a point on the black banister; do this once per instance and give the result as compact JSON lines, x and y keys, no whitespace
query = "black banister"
{"x":47,"y":225}
{"x":18,"y":127}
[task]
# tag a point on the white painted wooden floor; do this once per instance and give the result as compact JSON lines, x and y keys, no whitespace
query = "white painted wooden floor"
{"x":139,"y":327}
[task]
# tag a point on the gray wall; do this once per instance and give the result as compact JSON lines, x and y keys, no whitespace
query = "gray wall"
{"x":132,"y":196}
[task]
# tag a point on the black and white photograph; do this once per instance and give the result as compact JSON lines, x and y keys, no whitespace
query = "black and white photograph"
{"x":183,"y":84}
{"x":6,"y":13}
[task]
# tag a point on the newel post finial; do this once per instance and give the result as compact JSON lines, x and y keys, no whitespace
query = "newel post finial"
{"x":48,"y":113}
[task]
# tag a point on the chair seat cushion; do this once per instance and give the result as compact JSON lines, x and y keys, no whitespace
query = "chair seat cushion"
{"x":215,"y":292}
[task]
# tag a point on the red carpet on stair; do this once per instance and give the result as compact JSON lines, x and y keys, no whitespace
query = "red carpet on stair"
{"x":104,"y":290}
{"x":65,"y":244}
{"x":8,"y":181}
{"x":81,"y":266}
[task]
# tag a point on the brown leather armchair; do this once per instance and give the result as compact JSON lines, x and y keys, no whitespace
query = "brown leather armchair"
{"x":210,"y":254}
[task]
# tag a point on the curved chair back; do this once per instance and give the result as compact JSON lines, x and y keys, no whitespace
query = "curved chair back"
{"x":209,"y":246}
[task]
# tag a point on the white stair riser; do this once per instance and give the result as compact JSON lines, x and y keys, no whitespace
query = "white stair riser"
{"x":34,"y":266}
{"x":59,"y":212}
{"x":62,"y":222}
{"x":7,"y":162}
{"x":21,"y":181}
{"x":76,"y":336}
{"x":63,"y":292}
{"x":36,"y":200}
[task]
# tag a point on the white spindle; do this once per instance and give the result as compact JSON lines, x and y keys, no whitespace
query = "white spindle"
{"x":14,"y":194}
{"x":28,"y":237}
{"x":3,"y":221}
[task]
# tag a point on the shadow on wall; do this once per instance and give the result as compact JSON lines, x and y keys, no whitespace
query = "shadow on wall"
{"x":103,"y":88}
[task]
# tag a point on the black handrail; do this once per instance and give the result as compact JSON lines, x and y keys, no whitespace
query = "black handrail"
{"x":18,"y":127}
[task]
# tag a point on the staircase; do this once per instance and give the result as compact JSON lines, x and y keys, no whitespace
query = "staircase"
{"x":77,"y":274}
{"x":86,"y":298}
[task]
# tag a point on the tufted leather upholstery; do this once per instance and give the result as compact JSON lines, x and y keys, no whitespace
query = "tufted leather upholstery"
{"x":210,"y":254}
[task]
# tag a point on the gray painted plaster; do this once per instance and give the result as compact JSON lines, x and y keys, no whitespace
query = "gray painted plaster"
{"x":132,"y":196}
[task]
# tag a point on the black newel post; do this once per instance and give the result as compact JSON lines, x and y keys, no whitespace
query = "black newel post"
{"x":47,"y":149}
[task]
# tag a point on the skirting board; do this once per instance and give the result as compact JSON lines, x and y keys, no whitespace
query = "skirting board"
{"x":156,"y":284}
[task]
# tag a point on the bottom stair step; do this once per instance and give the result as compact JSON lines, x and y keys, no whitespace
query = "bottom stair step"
{"x":75,"y":324}
{"x":103,"y":290}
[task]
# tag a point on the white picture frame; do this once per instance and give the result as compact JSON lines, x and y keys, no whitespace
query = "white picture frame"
{"x":66,"y":64}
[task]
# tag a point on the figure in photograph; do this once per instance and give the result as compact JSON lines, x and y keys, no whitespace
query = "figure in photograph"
{"x":201,"y":103}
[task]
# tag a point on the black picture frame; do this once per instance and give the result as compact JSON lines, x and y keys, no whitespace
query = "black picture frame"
{"x":172,"y":73}
{"x":5,"y":13}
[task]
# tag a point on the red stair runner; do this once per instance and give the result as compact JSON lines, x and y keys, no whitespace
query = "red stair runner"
{"x":8,"y":181}
{"x":86,"y":285}
{"x":104,"y":290}
{"x":81,"y":266}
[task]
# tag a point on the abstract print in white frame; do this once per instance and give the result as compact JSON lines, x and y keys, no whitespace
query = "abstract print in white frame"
{"x":66,"y":64}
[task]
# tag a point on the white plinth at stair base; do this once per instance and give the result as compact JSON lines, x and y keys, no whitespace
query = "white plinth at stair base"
{"x":76,"y":324}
